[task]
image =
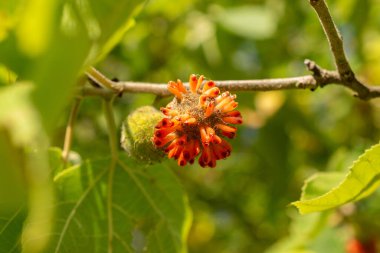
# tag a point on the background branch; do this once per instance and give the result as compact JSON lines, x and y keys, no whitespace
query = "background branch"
{"x":320,"y":77}
{"x":301,"y":82}
{"x":347,"y":76}
{"x":333,"y":36}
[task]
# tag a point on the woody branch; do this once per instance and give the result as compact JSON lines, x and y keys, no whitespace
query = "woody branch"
{"x":319,"y":77}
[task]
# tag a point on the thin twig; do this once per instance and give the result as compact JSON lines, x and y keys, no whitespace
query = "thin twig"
{"x":108,"y":111}
{"x":343,"y":67}
{"x":160,"y":89}
{"x":99,"y":78}
{"x":321,"y":77}
{"x":69,"y":131}
{"x":333,"y":36}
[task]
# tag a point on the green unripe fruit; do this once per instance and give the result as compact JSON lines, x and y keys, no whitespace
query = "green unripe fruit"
{"x":137,"y":133}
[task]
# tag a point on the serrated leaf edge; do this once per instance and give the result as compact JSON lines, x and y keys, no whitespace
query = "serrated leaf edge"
{"x":304,"y":202}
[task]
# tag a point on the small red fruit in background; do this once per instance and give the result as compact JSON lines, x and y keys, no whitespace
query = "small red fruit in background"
{"x":358,"y":246}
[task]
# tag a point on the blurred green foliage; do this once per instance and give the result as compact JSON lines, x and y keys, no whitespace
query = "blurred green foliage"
{"x":243,"y":204}
{"x":287,"y":136}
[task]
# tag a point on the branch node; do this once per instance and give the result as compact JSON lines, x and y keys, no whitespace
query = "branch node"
{"x":313,"y":67}
{"x":348,"y":76}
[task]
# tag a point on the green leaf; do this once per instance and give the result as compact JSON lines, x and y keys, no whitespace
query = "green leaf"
{"x":303,"y":230}
{"x":320,"y":183}
{"x":25,"y":189}
{"x":361,"y":181}
{"x":330,"y":239}
{"x":54,"y":48}
{"x":38,"y":15}
{"x":106,"y":22}
{"x":18,"y":128}
{"x":148,"y":209}
{"x":55,"y":160}
{"x":10,"y":230}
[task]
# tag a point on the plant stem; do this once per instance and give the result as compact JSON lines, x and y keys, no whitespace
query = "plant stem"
{"x":111,"y":125}
{"x":114,"y":157}
{"x":101,"y":80}
{"x":69,"y":130}
{"x":320,"y":78}
{"x":347,"y":76}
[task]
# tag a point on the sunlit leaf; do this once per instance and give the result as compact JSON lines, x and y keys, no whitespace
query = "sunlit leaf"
{"x":320,"y":183}
{"x":361,"y":180}
{"x":34,"y":29}
{"x":53,"y":43}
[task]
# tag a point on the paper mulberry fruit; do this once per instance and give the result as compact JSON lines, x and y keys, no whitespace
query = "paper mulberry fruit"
{"x":196,"y":122}
{"x":137,"y":130}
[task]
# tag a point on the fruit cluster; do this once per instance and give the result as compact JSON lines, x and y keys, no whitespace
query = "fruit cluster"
{"x":195,"y":121}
